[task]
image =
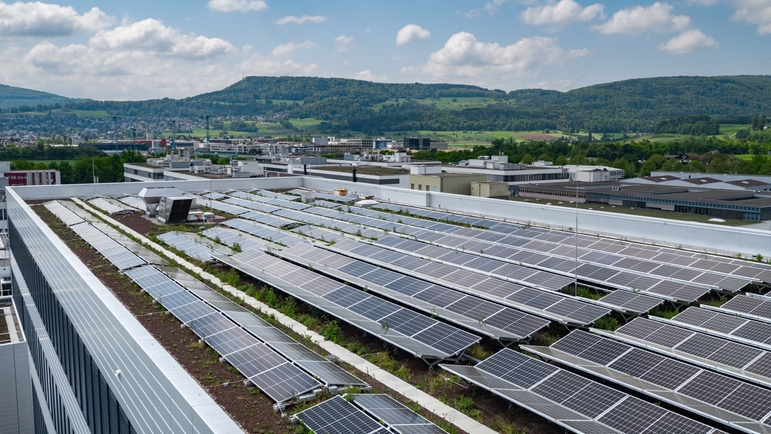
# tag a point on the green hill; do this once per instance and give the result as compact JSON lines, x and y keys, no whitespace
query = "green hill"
{"x":12,"y":97}
{"x":637,"y":105}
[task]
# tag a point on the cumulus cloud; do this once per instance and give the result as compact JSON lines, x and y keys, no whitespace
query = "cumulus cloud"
{"x":411,"y":33}
{"x":302,"y":19}
{"x":464,"y":58}
{"x":237,"y":5}
{"x":49,"y":20}
{"x":657,"y":17}
{"x":344,"y":43}
{"x":687,"y":42}
{"x":754,"y":12}
{"x":367,"y":75}
{"x":155,"y":38}
{"x":288,"y":48}
{"x":562,"y":13}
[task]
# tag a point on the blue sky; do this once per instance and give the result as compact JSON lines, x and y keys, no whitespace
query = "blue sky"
{"x":152,"y":49}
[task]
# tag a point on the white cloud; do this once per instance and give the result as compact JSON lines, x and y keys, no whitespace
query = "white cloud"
{"x":237,"y":5}
{"x":491,"y":7}
{"x":465,"y":59}
{"x":367,"y":75}
{"x":562,"y":13}
{"x":755,"y":12}
{"x":48,"y":20}
{"x":687,"y":42}
{"x":657,"y":17}
{"x":703,"y":2}
{"x":411,"y":33}
{"x":288,"y":48}
{"x":344,"y":43}
{"x":154,"y":38}
{"x":257,"y":64}
{"x":302,"y":19}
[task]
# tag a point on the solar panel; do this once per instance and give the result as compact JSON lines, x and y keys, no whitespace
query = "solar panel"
{"x":107,"y":247}
{"x":574,"y":402}
{"x":189,"y":247}
{"x":394,"y":332}
{"x":674,"y":380}
{"x":752,"y":307}
{"x":337,"y":416}
{"x":63,"y":213}
{"x":394,"y":414}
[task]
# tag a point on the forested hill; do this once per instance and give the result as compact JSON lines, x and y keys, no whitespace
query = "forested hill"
{"x":11,"y":97}
{"x":631,"y":105}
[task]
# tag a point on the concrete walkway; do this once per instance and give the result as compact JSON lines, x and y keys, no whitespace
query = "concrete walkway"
{"x":407,"y":390}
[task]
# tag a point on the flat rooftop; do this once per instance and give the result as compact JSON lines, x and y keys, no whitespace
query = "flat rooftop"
{"x":364,"y":170}
{"x":10,"y":330}
{"x":692,"y":194}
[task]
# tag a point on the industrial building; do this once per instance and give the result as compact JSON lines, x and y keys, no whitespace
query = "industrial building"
{"x":427,"y":272}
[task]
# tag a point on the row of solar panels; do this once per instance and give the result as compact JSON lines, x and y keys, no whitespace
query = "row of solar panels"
{"x":620,"y":300}
{"x":555,"y":306}
{"x":471,"y":312}
{"x":417,"y":334}
{"x":111,"y":206}
{"x":550,"y":305}
{"x":724,"y":273}
{"x":223,"y":324}
{"x":557,"y":258}
{"x":625,"y":302}
{"x":191,"y":248}
{"x":726,"y":400}
{"x":662,"y":255}
{"x":573,"y":402}
{"x":364,"y":414}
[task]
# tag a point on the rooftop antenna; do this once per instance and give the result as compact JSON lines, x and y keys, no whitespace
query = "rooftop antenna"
{"x":174,"y":136}
{"x":207,"y":128}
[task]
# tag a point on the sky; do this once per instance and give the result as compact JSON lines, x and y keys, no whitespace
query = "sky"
{"x":143,"y":49}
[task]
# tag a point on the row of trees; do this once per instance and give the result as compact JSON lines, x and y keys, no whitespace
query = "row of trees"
{"x":105,"y":168}
{"x":636,"y":158}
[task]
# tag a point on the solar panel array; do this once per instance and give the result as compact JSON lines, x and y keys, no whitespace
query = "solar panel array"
{"x":110,"y":207}
{"x":472,"y":312}
{"x":437,"y":215}
{"x":555,"y":306}
{"x":256,"y":206}
{"x":134,"y":202}
{"x":225,"y":207}
{"x":551,"y":256}
{"x":735,"y":268}
{"x":716,"y":396}
{"x":574,"y":402}
{"x":745,"y":330}
{"x":397,"y":416}
{"x":217,"y":324}
{"x":307,"y":216}
{"x":320,"y":234}
{"x":229,"y":237}
{"x":412,"y":332}
{"x":190,"y":247}
{"x":526,"y":276}
{"x":138,"y":249}
{"x":338,"y":416}
{"x":756,"y":307}
{"x":273,"y":195}
{"x":276,"y":201}
{"x":744,"y":361}
{"x":559,"y":258}
{"x":269,"y":234}
{"x":107,"y":247}
{"x":269,"y":371}
{"x":63,"y":213}
{"x":266,"y":219}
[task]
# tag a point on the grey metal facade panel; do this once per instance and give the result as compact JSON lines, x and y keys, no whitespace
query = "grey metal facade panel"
{"x":67,"y":415}
{"x":115,"y":340}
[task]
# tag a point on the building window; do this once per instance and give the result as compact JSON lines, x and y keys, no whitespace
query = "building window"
{"x":412,"y":186}
{"x":427,"y":188}
{"x":420,"y":186}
